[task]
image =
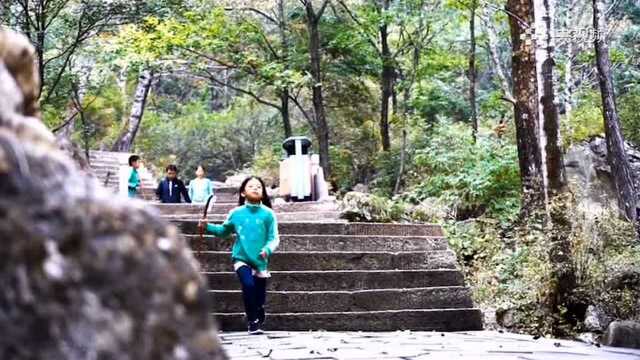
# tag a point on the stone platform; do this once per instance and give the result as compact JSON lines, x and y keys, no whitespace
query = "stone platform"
{"x":407,"y":345}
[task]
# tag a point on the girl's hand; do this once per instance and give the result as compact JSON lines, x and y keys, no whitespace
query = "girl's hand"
{"x":263,"y":254}
{"x":202,"y":224}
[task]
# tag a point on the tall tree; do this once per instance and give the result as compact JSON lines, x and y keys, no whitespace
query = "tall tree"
{"x":321,"y":128}
{"x":551,"y":149}
{"x":387,"y":77}
{"x":525,"y":93}
{"x":128,"y":136}
{"x":572,"y":10}
{"x":380,"y":40}
{"x":284,"y":91}
{"x":557,"y":222}
{"x":616,"y":155}
{"x":417,"y":40}
{"x":472,"y":67}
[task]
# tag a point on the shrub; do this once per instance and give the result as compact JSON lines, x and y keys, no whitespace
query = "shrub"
{"x":470,"y":178}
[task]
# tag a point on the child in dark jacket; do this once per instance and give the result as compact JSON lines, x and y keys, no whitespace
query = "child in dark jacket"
{"x":256,"y":229}
{"x":170,"y":189}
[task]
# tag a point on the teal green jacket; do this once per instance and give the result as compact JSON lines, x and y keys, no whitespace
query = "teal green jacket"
{"x":134,"y":182}
{"x":256,"y":230}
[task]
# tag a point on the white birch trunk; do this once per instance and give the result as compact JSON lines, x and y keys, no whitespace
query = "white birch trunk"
{"x":543,"y":26}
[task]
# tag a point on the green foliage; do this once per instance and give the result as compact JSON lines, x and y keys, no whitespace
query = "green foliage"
{"x":266,"y":164}
{"x":586,"y":120}
{"x":629,"y":104}
{"x":437,"y":99}
{"x":471,"y":177}
{"x":220,"y":141}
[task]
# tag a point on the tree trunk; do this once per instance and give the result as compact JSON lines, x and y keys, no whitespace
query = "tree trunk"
{"x":386,"y":82}
{"x":284,"y":111}
{"x":492,"y":39}
{"x":472,"y":70}
{"x":526,"y":105}
{"x":542,"y":54}
{"x":550,"y":121}
{"x":558,"y":206}
{"x":125,"y":141}
{"x":568,"y":66}
{"x":321,"y":127}
{"x":284,"y":93}
{"x":616,"y":154}
{"x":216,"y":100}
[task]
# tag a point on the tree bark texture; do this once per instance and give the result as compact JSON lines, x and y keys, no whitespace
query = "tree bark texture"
{"x":526,"y":106}
{"x":321,"y":127}
{"x":126,"y":140}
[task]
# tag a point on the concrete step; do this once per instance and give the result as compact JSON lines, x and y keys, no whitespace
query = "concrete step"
{"x":343,"y":279}
{"x":295,"y":216}
{"x":452,"y":297}
{"x":312,"y":260}
{"x":336,"y":228}
{"x":333,"y":243}
{"x":390,"y":320}
{"x":222,"y":208}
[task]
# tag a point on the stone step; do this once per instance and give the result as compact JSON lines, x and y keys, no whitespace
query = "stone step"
{"x":451,"y":297}
{"x":98,"y":167}
{"x":113,"y":180}
{"x":310,"y":216}
{"x":115,"y":174}
{"x":316,"y":260}
{"x":343,"y":279}
{"x":222,"y":208}
{"x":467,"y":319}
{"x":333,"y":243}
{"x":102,"y":159}
{"x":336,"y":228}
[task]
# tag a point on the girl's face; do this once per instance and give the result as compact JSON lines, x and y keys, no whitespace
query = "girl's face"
{"x":200,"y":172}
{"x":253,"y":191}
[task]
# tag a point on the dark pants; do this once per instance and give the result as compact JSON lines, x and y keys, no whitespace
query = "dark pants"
{"x":254,"y":292}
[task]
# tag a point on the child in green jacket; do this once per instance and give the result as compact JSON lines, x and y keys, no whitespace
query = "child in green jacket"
{"x":256,"y":229}
{"x":134,"y":177}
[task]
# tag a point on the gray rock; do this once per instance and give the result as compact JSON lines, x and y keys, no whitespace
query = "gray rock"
{"x":506,"y":317}
{"x":596,"y":319}
{"x":623,"y":334}
{"x":587,"y":168}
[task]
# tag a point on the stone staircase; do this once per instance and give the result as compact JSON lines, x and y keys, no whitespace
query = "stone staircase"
{"x":347,"y":277}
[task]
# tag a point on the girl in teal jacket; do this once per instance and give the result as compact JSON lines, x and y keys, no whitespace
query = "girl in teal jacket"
{"x":256,"y":229}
